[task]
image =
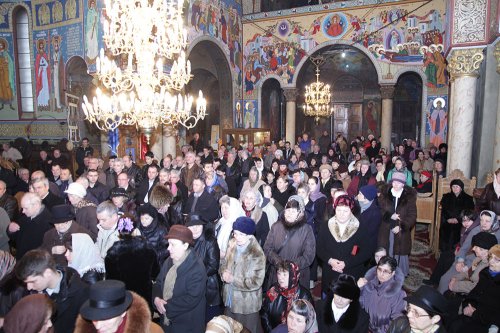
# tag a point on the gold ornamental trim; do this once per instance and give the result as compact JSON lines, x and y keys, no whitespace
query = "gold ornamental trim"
{"x":465,"y":62}
{"x":387,"y":91}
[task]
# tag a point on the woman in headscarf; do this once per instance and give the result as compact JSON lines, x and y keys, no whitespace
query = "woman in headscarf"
{"x":278,"y":300}
{"x":30,"y":315}
{"x":253,"y":182}
{"x":251,"y":201}
{"x":301,"y":319}
{"x":291,"y":238}
{"x":398,"y":203}
{"x":179,"y":289}
{"x":230,"y":210}
{"x":82,"y":255}
{"x":315,"y":204}
{"x":382,"y":296}
{"x":340,"y":244}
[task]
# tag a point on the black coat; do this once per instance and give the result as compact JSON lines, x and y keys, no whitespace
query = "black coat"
{"x":452,"y":205}
{"x":354,"y":320}
{"x":9,"y":178}
{"x":73,"y":292}
{"x":155,"y":235}
{"x":9,"y":203}
{"x":271,"y":311}
{"x":30,"y":234}
{"x":52,"y":200}
{"x":370,"y":220}
{"x":186,"y":308}
{"x":206,"y":206}
{"x":134,"y":174}
{"x":133,"y":261}
{"x":144,"y":189}
{"x":207,"y":249}
{"x":100,"y":192}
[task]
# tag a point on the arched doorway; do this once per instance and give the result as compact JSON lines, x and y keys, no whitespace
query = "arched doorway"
{"x":273,"y":108}
{"x":355,"y":93}
{"x":212,"y":75}
{"x":407,"y":108}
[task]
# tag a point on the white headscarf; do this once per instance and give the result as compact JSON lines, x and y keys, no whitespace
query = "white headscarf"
{"x":225,"y":226}
{"x":85,"y":255}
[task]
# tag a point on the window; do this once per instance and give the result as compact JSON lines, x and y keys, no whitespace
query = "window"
{"x":23,"y":61}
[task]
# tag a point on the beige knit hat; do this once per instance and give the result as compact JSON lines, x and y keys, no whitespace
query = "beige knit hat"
{"x":223,"y":324}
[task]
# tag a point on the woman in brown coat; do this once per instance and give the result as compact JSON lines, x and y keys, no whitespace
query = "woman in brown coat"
{"x":398,"y":203}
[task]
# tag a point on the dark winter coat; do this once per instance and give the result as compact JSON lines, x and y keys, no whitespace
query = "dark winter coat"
{"x":73,"y":292}
{"x":270,"y":314}
{"x":155,"y":235}
{"x":407,"y":210}
{"x":54,"y":238}
{"x":290,"y":242}
{"x":383,"y":302}
{"x":30,"y":234}
{"x":489,"y":200}
{"x":206,"y":206}
{"x":207,"y":249}
{"x":133,"y":261}
{"x":359,"y":181}
{"x":52,"y":200}
{"x":87,"y":218}
{"x":9,"y":203}
{"x":354,"y":320}
{"x":134,"y":174}
{"x":186,"y":308}
{"x":315,"y":213}
{"x":100,"y":192}
{"x":484,"y":297}
{"x":352,"y":251}
{"x":370,"y":220}
{"x":138,"y":319}
{"x":143,"y":189}
{"x":452,"y":205}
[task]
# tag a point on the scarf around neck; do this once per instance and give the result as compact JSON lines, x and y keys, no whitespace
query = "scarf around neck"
{"x":290,"y":293}
{"x":168,"y":286}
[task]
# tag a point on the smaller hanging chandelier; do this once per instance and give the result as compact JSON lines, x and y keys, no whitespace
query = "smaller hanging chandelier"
{"x":317,"y":96}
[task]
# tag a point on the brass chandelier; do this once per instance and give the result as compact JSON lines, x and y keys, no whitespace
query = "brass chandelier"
{"x":144,"y":71}
{"x":317,"y":95}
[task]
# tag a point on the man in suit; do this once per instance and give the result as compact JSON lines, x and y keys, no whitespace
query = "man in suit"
{"x":147,"y":185}
{"x":202,"y":203}
{"x":41,"y":188}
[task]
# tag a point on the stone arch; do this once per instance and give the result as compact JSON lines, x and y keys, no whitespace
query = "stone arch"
{"x":361,"y":49}
{"x":272,"y":106}
{"x":215,"y":62}
{"x":423,"y":77}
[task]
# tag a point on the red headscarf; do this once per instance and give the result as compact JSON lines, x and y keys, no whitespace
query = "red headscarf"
{"x":290,"y":293}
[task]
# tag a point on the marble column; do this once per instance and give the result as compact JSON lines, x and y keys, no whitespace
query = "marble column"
{"x":463,"y":66}
{"x":156,"y":143}
{"x":496,"y":148}
{"x":387,"y":94}
{"x":291,"y":98}
{"x":105,"y":150}
{"x":168,"y":141}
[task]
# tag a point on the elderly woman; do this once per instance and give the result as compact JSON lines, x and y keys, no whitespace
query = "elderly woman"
{"x":398,"y":203}
{"x":400,"y":166}
{"x":341,"y":312}
{"x":242,"y":272}
{"x":301,"y":319}
{"x":82,"y":255}
{"x":340,"y":244}
{"x":422,"y":163}
{"x":230,"y":210}
{"x":424,"y":313}
{"x":251,"y":201}
{"x":382,"y":296}
{"x":291,"y":238}
{"x":85,"y":211}
{"x":480,"y":308}
{"x":179,"y":290}
{"x":278,"y":300}
{"x":30,"y":315}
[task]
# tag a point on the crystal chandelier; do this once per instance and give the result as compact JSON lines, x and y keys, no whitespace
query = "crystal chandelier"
{"x":144,"y":72}
{"x":317,"y":96}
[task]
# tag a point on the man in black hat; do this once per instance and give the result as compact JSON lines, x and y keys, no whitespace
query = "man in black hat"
{"x":111,"y":308}
{"x":120,"y":199}
{"x":64,"y":226}
{"x":424,"y":313}
{"x":38,"y":270}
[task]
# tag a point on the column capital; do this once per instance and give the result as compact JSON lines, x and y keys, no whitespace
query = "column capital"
{"x":497,"y":55}
{"x":387,"y":91}
{"x":465,"y":62}
{"x":291,"y":94}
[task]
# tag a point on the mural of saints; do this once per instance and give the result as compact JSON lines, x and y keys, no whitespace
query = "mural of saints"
{"x":250,"y":116}
{"x":91,"y":31}
{"x":44,"y":14}
{"x":57,"y":70}
{"x":57,"y":12}
{"x":437,"y":122}
{"x":6,"y":75}
{"x":42,"y":72}
{"x":70,"y":9}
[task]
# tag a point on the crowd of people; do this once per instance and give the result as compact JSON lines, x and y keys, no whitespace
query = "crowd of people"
{"x":235,"y":239}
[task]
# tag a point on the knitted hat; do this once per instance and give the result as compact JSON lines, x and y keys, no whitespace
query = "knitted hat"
{"x":147,"y":209}
{"x":369,"y":192}
{"x":484,"y":240}
{"x":326,"y":167}
{"x":223,"y":324}
{"x":244,"y":225}
{"x":399,"y":177}
{"x":457,"y":182}
{"x":346,"y":287}
{"x":76,"y":189}
{"x":181,"y":233}
{"x":344,"y":200}
{"x":427,"y":174}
